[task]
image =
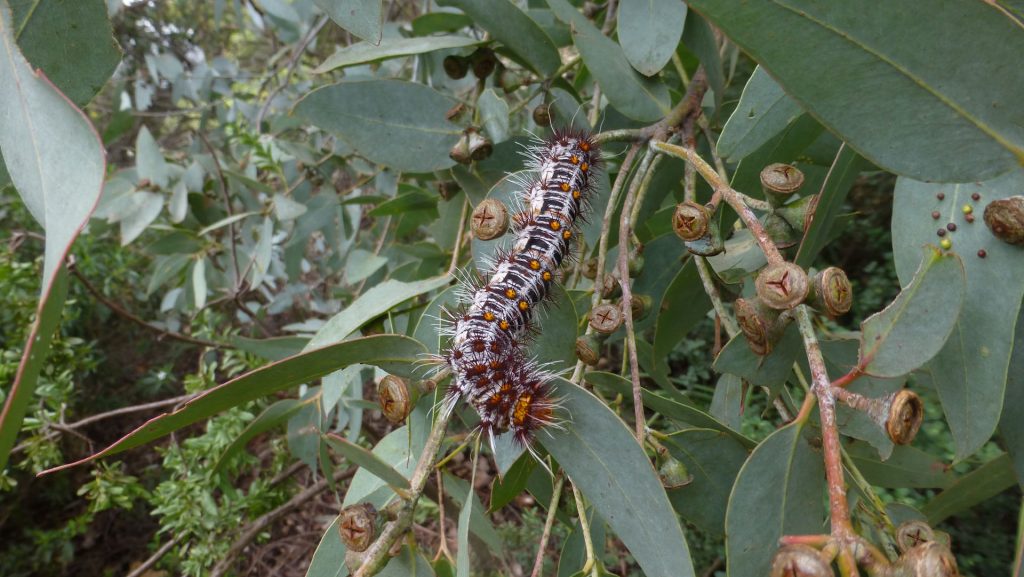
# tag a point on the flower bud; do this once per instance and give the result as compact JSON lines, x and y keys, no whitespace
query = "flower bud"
{"x":640,"y":306}
{"x":456,"y":67}
{"x":611,"y":288}
{"x":673,"y":474}
{"x":690,"y":221}
{"x":1005,"y":218}
{"x":606,"y":318}
{"x":489,"y":220}
{"x":799,"y":561}
{"x":800,"y":213}
{"x":394,"y":399}
{"x":832,"y":292}
{"x":781,"y":233}
{"x":588,"y":349}
{"x":906,"y":412}
{"x":780,"y":181}
{"x":357,"y":526}
{"x":782,"y":285}
{"x":589,"y":269}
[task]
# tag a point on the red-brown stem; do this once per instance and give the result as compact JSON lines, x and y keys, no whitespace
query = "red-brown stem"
{"x":816,"y":541}
{"x":733,"y":198}
{"x":854,"y":374}
{"x":820,"y":386}
{"x":627,"y":294}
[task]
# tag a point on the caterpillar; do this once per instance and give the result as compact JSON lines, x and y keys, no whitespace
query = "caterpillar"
{"x":487,"y":355}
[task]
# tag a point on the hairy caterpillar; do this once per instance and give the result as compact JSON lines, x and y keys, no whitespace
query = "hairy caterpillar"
{"x":492,"y":371}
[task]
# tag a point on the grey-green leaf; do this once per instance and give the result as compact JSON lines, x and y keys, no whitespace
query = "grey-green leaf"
{"x":986,"y":481}
{"x":912,"y":329}
{"x":367,"y":460}
{"x":369,"y":305}
{"x":512,"y":27}
{"x":714,"y":459}
{"x":971,"y":371}
{"x":395,"y":123}
{"x":890,"y":82}
{"x":366,"y":52}
{"x":595,"y":448}
{"x":632,"y":94}
{"x":779,"y":492}
{"x":764,"y":110}
{"x":649,"y":31}
{"x":364,"y":18}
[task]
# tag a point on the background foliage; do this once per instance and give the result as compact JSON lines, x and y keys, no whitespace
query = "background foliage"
{"x":245,"y":213}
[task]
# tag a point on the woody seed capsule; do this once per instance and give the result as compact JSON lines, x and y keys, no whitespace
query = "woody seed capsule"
{"x":913,"y":533}
{"x":931,"y":559}
{"x":690,"y":221}
{"x":588,"y":349}
{"x":906,"y":413}
{"x":1005,"y":218}
{"x":606,"y":318}
{"x":393,"y":396}
{"x":800,"y":561}
{"x":357,"y":526}
{"x":779,"y":181}
{"x":833,"y":292}
{"x":490,"y":219}
{"x":782,"y":285}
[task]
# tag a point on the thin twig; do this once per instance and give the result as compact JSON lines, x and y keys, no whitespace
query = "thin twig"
{"x":222,"y":183}
{"x":253,"y":530}
{"x":458,"y":237}
{"x":293,"y":61}
{"x":590,"y":565}
{"x":377,"y":554}
{"x":538,"y":563}
{"x":148,"y":563}
{"x":139,"y":320}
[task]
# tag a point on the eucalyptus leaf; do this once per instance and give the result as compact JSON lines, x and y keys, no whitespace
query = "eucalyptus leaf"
{"x":509,"y":25}
{"x":763,"y":111}
{"x":365,"y":52}
{"x":364,"y":18}
{"x":858,"y":68}
{"x":649,"y":31}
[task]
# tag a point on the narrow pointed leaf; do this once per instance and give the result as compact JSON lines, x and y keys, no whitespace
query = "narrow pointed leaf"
{"x":596,"y":449}
{"x":391,"y":352}
{"x":985,"y":482}
{"x":913,"y":328}
{"x":367,"y":461}
{"x":365,"y":52}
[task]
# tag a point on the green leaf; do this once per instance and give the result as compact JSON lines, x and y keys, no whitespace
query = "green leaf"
{"x":770,"y":371}
{"x":408,"y":202}
{"x":913,"y":328}
{"x":702,"y":40}
{"x":596,"y":450}
{"x":764,"y":111}
{"x":149,"y":161}
{"x":371,"y":304}
{"x":779,"y":491}
{"x":361,"y":264}
{"x":494,"y":115}
{"x":394,"y":353}
{"x":401,"y":450}
{"x":687,"y":414}
{"x":329,"y":558}
{"x":685,"y":303}
{"x":920,"y":117}
{"x":48,"y":31}
{"x":272,"y":349}
{"x":971,"y":371}
{"x":434,"y":22}
{"x":399,"y":124}
{"x":574,"y":551}
{"x":33,"y":359}
{"x":458,"y":489}
{"x":367,"y":460}
{"x":714,"y":460}
{"x":509,"y":25}
{"x":845,"y":169}
{"x":985,"y":482}
{"x":907,"y":467}
{"x":55,"y":158}
{"x":649,"y":31}
{"x":271,"y":417}
{"x":364,"y":18}
{"x":365,"y":52}
{"x":511,"y":485}
{"x":631,"y":93}
{"x":1011,"y":425}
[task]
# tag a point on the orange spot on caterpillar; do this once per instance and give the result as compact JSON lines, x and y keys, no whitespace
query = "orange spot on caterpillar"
{"x":565,"y":185}
{"x":523,"y":305}
{"x":576,"y":194}
{"x":574,"y":159}
{"x":503,"y":324}
{"x":584,"y":167}
{"x":567,"y":234}
{"x":522,"y":406}
{"x":555,"y":225}
{"x":488,"y":316}
{"x":546,"y":275}
{"x":534,"y":264}
{"x":510,"y":293}
{"x":585,"y":146}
